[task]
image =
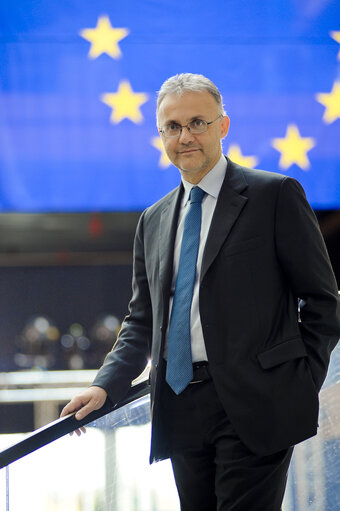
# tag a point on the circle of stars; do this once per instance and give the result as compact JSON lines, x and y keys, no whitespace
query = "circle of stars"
{"x":126,"y":104}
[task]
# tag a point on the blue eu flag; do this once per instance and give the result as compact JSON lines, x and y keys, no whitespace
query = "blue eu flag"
{"x":78,"y":84}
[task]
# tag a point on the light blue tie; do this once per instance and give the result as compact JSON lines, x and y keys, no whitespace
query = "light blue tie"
{"x":179,"y":363}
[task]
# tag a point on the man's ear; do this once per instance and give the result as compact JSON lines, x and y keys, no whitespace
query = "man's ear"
{"x":225,"y":126}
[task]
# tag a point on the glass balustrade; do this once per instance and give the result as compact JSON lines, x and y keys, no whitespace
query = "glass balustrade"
{"x":314,"y":476}
{"x":107,"y":468}
{"x":104,"y":469}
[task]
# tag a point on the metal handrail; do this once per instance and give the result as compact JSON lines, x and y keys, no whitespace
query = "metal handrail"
{"x":65,"y":425}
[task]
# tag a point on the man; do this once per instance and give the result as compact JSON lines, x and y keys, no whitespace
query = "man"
{"x":219,"y":266}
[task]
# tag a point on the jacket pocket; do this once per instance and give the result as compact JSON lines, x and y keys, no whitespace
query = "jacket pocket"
{"x":287,"y":350}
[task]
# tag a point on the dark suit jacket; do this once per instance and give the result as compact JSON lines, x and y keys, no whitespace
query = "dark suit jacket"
{"x":263,"y":254}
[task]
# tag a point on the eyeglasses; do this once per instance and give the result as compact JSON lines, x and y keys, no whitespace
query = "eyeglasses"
{"x":195,"y":127}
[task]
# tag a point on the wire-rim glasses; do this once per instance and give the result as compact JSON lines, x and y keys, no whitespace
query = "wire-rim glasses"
{"x":195,"y":127}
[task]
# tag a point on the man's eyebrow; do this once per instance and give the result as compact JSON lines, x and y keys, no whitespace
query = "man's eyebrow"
{"x":198,"y":116}
{"x":170,"y":121}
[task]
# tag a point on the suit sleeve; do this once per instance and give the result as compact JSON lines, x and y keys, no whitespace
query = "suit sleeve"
{"x":304,"y":259}
{"x":130,"y":353}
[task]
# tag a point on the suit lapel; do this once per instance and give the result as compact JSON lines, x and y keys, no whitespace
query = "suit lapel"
{"x":168,"y":228}
{"x":228,"y":208}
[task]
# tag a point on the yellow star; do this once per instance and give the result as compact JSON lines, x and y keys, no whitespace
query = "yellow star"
{"x":104,"y":38}
{"x":164,"y":161}
{"x":234,"y":153}
{"x":332,"y":103}
{"x":293,"y":148}
{"x":335,"y":34}
{"x":125,"y":103}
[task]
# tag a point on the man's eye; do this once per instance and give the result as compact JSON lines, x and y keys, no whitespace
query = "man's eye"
{"x":172,"y":127}
{"x":197,"y":123}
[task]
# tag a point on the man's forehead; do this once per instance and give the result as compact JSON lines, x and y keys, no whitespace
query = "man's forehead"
{"x":188,"y":104}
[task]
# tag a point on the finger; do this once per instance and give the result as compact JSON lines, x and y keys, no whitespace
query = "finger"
{"x":75,"y":404}
{"x":69,"y":408}
{"x":85,"y":410}
{"x":78,"y":431}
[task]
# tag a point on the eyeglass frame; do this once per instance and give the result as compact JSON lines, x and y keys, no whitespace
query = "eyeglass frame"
{"x":188,"y":127}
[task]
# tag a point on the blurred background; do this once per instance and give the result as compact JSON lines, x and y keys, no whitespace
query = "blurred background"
{"x":80,"y":156}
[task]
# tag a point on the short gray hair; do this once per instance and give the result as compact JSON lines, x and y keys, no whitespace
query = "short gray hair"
{"x":189,"y":82}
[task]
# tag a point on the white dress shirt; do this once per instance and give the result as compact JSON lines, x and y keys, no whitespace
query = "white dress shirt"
{"x":211,"y":184}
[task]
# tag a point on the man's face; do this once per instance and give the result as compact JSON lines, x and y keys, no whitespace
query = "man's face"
{"x":193,"y":155}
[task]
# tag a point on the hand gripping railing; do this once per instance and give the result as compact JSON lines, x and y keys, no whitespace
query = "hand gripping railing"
{"x":65,"y":425}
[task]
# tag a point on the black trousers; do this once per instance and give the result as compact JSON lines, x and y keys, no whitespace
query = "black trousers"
{"x":213,"y":469}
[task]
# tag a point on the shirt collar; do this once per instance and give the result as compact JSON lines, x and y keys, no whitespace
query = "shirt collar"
{"x":211,"y":183}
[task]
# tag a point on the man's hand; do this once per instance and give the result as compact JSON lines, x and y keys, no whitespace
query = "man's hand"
{"x":90,"y":399}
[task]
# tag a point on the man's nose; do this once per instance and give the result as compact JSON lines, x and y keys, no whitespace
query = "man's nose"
{"x":185,"y":135}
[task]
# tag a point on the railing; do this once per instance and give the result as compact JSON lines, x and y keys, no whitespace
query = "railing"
{"x":107,"y":469}
{"x":43,"y":391}
{"x":65,"y":425}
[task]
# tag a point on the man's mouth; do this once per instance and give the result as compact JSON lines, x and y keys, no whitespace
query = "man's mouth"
{"x":188,"y":151}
